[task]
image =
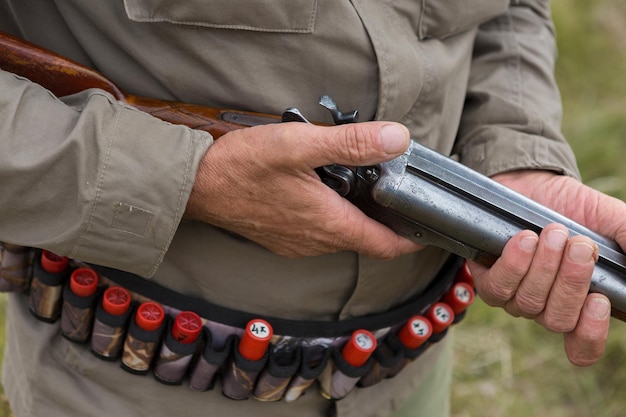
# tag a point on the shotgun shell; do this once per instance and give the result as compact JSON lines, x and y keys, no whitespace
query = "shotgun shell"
{"x":359,"y":348}
{"x":459,"y":297}
{"x":255,"y":339}
{"x":79,"y":302}
{"x":441,"y":317}
{"x":143,"y":337}
{"x":415,"y":332}
{"x":149,"y":316}
{"x":109,"y":329}
{"x":84,"y":282}
{"x":49,"y":277}
{"x":464,"y":275}
{"x":187,"y":327}
{"x":53,"y":263}
{"x":178,"y":348}
{"x":116,"y":300}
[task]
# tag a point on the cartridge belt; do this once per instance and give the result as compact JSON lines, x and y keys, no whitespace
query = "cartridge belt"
{"x":297,"y":354}
{"x":282,"y":326}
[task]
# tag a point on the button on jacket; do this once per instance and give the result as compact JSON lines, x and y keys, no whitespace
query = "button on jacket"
{"x":107,"y":184}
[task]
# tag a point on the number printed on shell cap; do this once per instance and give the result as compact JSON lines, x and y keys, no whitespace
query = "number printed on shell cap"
{"x":359,"y":348}
{"x":255,"y":339}
{"x":441,"y":316}
{"x":415,"y":332}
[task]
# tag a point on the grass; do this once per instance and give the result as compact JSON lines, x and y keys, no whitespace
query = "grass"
{"x":5,"y":411}
{"x":508,"y":367}
{"x":513,"y":367}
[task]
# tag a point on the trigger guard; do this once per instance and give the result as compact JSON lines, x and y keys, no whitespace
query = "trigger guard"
{"x":338,"y":177}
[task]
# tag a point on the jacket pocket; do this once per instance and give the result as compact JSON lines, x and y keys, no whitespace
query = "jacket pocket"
{"x":443,"y":18}
{"x":288,"y":16}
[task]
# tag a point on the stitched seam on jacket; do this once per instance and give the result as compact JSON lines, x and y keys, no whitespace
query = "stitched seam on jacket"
{"x":218,"y":26}
{"x":100,"y":181}
{"x":515,"y":61}
{"x":308,"y":29}
{"x":178,"y":205}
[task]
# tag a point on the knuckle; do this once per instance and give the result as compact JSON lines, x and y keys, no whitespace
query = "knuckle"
{"x":354,"y":141}
{"x":494,"y":293}
{"x":559,"y":322}
{"x":503,"y":288}
{"x":502,"y":292}
{"x":574,"y":284}
{"x":530,"y":304}
{"x":512,"y":309}
{"x":514,"y":271}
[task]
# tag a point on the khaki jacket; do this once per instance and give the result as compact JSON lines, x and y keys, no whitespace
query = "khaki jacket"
{"x":106,"y":184}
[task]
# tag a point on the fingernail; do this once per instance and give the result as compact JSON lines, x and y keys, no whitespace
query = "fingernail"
{"x":582,"y":252}
{"x":557,"y":238}
{"x":394,"y":139}
{"x":528,"y":243}
{"x":598,"y":308}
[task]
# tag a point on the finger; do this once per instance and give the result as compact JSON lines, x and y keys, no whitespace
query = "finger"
{"x":571,"y":286}
{"x":499,"y":284}
{"x":532,"y":295}
{"x":586,"y":343}
{"x":350,"y":144}
{"x":365,"y":235}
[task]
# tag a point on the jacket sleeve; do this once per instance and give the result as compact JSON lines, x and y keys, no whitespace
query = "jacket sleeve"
{"x":91,"y":178}
{"x":512,"y":113}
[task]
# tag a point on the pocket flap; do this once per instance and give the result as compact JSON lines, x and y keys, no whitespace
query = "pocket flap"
{"x":294,"y":16}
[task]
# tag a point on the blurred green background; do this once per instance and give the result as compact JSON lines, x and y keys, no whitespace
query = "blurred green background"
{"x":508,"y":367}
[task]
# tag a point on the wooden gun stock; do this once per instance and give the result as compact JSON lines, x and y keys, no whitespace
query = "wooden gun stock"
{"x":64,"y":77}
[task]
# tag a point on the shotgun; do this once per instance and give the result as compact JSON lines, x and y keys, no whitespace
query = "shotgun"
{"x":422,"y":195}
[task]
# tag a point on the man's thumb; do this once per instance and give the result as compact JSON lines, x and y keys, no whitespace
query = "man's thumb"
{"x":394,"y":139}
{"x":366,"y":143}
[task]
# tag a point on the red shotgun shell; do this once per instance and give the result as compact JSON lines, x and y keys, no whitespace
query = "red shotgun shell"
{"x":459,"y":297}
{"x":415,"y":332}
{"x":84,"y":282}
{"x":441,"y":316}
{"x":53,"y":263}
{"x":359,"y":348}
{"x":255,"y":339}
{"x":187,"y":327}
{"x":149,"y":316}
{"x":116,"y":300}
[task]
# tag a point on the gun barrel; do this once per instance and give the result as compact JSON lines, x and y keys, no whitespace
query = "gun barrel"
{"x":444,"y":203}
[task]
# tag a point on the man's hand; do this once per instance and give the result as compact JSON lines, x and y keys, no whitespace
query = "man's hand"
{"x":547,"y":277}
{"x":260,"y":183}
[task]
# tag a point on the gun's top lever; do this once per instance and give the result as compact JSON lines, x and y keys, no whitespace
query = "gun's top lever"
{"x":339,"y":117}
{"x":338,"y":177}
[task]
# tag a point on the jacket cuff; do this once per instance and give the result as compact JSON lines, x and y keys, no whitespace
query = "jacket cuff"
{"x":142,"y":189}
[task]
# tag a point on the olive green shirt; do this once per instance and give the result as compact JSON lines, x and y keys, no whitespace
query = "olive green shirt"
{"x":104,"y":183}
